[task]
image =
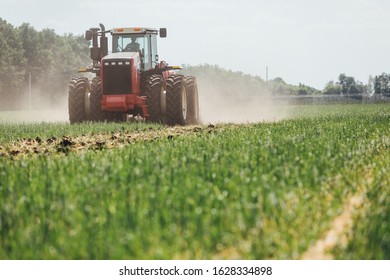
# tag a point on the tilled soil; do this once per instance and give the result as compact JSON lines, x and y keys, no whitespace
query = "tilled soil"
{"x":68,"y":144}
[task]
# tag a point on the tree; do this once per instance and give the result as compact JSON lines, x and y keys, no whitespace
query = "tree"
{"x":349,"y":85}
{"x":382,"y":84}
{"x":332,"y":88}
{"x":279,"y":87}
{"x":12,"y":60}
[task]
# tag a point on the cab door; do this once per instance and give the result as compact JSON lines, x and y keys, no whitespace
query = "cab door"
{"x":154,"y":54}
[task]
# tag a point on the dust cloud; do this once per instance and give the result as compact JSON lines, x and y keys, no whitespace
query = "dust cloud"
{"x":221,"y":100}
{"x":34,"y":116}
{"x":38,"y":105}
{"x":238,"y":104}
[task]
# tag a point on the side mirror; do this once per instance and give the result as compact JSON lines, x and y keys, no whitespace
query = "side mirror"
{"x":163,"y":32}
{"x":88,"y":35}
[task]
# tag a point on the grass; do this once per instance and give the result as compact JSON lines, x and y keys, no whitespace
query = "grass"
{"x":252,"y":191}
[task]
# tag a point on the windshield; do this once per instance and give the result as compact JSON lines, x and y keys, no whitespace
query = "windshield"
{"x":129,"y":43}
{"x":135,"y":43}
{"x":145,"y":44}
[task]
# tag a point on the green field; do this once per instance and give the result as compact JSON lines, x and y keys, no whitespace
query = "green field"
{"x":250,"y":191}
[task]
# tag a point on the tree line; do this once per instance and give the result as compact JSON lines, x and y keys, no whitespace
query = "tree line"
{"x":41,"y":59}
{"x":379,"y":84}
{"x":234,"y":81}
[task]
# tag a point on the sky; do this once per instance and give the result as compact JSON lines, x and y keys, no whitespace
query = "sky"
{"x":302,"y":41}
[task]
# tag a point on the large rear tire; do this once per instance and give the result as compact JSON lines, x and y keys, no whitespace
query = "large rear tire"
{"x":78,"y":93}
{"x":176,"y":98}
{"x":154,"y":90}
{"x":193,"y":100}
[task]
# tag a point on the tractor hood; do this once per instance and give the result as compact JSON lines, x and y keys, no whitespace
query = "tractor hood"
{"x":121,"y":56}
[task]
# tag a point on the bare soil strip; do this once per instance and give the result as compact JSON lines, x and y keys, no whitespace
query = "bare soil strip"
{"x":341,"y":226}
{"x":68,"y":144}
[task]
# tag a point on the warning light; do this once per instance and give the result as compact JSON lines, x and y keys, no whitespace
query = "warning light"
{"x":119,"y":29}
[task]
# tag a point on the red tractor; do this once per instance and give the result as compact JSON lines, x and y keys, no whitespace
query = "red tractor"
{"x":130,"y":80}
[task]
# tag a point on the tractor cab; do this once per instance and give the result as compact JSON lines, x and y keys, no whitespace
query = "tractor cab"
{"x":141,"y":40}
{"x":131,"y":39}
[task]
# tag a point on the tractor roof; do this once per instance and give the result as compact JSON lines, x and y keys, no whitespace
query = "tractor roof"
{"x":133,"y":30}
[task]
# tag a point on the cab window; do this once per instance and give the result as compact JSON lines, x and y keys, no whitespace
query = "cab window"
{"x":133,"y":43}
